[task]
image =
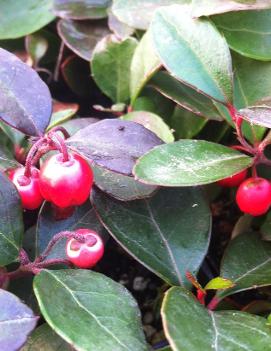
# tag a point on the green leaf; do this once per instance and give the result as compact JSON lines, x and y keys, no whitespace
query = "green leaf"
{"x":144,"y":64}
{"x":110,"y":66}
{"x":161,"y":232}
{"x":189,"y":163}
{"x":82,"y":36}
{"x":219,"y":283}
{"x":185,"y":124}
{"x":19,"y":18}
{"x":36,"y":46}
{"x":247,"y":263}
{"x":247,"y":32}
{"x":45,"y":339}
{"x":138,"y":13}
{"x":16,"y":322}
{"x":6,"y":159}
{"x":211,"y":7}
{"x":11,"y":224}
{"x":152,"y":122}
{"x":62,"y":112}
{"x":185,"y":96}
{"x":81,"y":9}
{"x":219,"y":331}
{"x":47,"y":226}
{"x":89,"y":310}
{"x":193,"y":51}
{"x":119,"y":186}
{"x":266,"y":228}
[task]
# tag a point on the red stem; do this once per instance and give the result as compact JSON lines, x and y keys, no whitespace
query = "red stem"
{"x":213,"y":303}
{"x":31,"y":154}
{"x":60,"y":144}
{"x":60,"y":129}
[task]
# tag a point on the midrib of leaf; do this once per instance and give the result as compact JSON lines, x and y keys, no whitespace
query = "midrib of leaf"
{"x":252,"y":270}
{"x":241,"y":89}
{"x":15,"y":321}
{"x":9,"y":241}
{"x":174,"y":263}
{"x":88,"y":312}
{"x":246,"y":30}
{"x":216,"y":332}
{"x":194,"y":54}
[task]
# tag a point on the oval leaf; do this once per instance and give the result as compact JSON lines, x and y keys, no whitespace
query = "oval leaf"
{"x":18,"y":18}
{"x":89,"y":310}
{"x":260,"y":115}
{"x":219,"y":283}
{"x":247,"y":263}
{"x":82,"y":37}
{"x":11,"y":224}
{"x":193,"y":51}
{"x":25,"y":101}
{"x":161,"y":232}
{"x":188,"y":163}
{"x":81,"y":9}
{"x":219,"y":331}
{"x":247,"y":32}
{"x":110,"y":66}
{"x":16,"y":322}
{"x":124,"y":141}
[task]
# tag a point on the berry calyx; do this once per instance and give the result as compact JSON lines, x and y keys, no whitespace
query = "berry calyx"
{"x":66,"y":183}
{"x":85,"y":254}
{"x":234,"y":180}
{"x":28,"y":187}
{"x":254,"y":196}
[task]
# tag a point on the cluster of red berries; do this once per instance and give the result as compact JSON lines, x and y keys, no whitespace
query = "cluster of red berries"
{"x":64,"y":183}
{"x":253,"y":194}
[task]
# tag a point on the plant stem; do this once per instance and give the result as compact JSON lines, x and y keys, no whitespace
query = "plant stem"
{"x":213,"y":303}
{"x":60,"y":129}
{"x":31,"y":154}
{"x":60,"y":144}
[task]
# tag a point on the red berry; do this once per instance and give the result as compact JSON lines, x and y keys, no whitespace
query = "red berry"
{"x":28,"y":187}
{"x":85,"y":255}
{"x":254,"y":196}
{"x":66,"y":183}
{"x":234,"y":180}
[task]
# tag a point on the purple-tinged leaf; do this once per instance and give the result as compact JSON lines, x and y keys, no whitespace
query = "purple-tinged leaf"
{"x":114,"y":144}
{"x":16,"y":322}
{"x":260,"y":115}
{"x":25,"y":100}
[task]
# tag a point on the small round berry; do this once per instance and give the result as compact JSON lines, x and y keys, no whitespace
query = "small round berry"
{"x":87,"y":254}
{"x":234,"y":180}
{"x":66,"y":183}
{"x":254,"y":196}
{"x":28,"y":187}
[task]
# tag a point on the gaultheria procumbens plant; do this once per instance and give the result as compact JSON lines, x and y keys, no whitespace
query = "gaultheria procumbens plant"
{"x":147,"y":225}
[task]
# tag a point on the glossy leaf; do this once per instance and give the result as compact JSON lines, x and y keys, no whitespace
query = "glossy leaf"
{"x":18,"y":18}
{"x":260,"y":115}
{"x":11,"y":225}
{"x":76,"y":124}
{"x":124,"y":141}
{"x":25,"y":101}
{"x":45,"y":339}
{"x":81,"y":9}
{"x":89,"y":310}
{"x":138,"y":13}
{"x":161,"y":232}
{"x":119,"y":186}
{"x":247,"y":263}
{"x":152,"y":122}
{"x":247,"y":32}
{"x":212,"y":7}
{"x":144,"y":64}
{"x":82,"y":37}
{"x":193,"y":51}
{"x":185,"y":96}
{"x":62,"y":112}
{"x":16,"y":322}
{"x":110,"y":66}
{"x":219,"y":283}
{"x":189,"y":163}
{"x":220,"y":331}
{"x":47,"y":226}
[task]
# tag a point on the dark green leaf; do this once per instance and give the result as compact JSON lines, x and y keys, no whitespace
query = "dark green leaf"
{"x":16,"y":322}
{"x":11,"y":224}
{"x":62,"y":112}
{"x":193,"y":51}
{"x":6,"y":159}
{"x":188,"y":163}
{"x":247,"y":263}
{"x":110,"y":66}
{"x":185,"y":96}
{"x":89,"y":310}
{"x":82,"y":37}
{"x":266,"y":228}
{"x":25,"y":101}
{"x":81,"y":9}
{"x":219,"y":331}
{"x":19,"y":18}
{"x":161,"y":232}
